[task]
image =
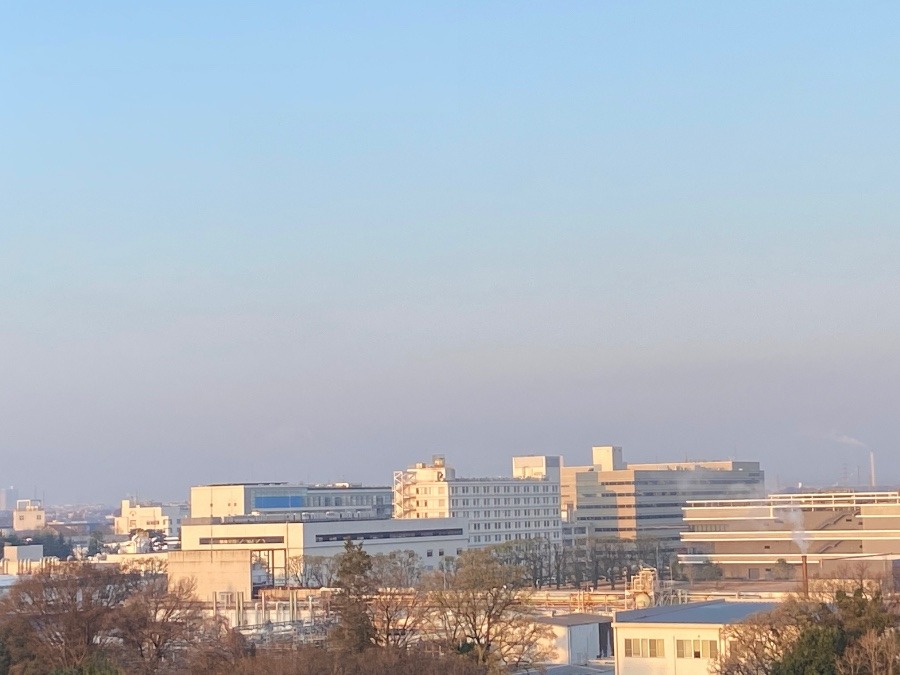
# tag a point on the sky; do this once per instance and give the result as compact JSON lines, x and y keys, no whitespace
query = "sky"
{"x":319,"y":242}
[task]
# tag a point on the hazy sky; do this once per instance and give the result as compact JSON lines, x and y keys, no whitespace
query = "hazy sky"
{"x":319,"y":241}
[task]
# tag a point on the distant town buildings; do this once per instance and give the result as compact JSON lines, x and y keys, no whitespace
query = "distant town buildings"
{"x":766,"y":538}
{"x":165,"y":518}
{"x":609,"y":498}
{"x":523,"y":506}
{"x":8,"y":498}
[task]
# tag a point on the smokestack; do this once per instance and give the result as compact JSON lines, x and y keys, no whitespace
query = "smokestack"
{"x":804,"y":568}
{"x":872,"y":468}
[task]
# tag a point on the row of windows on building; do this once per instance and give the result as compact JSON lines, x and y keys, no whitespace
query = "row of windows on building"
{"x":502,"y":501}
{"x":708,"y":528}
{"x":440,"y":552}
{"x":623,"y":507}
{"x":684,"y":649}
{"x":684,"y":494}
{"x":643,"y":516}
{"x":503,"y":489}
{"x":348,"y":500}
{"x":488,"y":538}
{"x":504,"y":513}
{"x":508,"y":525}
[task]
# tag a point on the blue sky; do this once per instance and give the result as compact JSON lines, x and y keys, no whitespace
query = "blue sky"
{"x":307,"y":241}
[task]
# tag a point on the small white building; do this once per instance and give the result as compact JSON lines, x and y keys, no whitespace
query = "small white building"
{"x":677,"y":639}
{"x":579,"y":638}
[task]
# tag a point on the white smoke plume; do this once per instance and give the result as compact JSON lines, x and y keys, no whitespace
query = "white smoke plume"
{"x":844,"y":439}
{"x":794,"y":517}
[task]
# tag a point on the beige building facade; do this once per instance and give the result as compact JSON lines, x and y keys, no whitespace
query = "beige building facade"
{"x":609,"y":498}
{"x":165,"y":518}
{"x":29,"y":516}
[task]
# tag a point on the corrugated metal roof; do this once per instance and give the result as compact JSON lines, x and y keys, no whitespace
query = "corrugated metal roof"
{"x":714,"y":612}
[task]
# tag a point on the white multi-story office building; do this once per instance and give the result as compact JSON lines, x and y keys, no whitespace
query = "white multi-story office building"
{"x":523,"y":506}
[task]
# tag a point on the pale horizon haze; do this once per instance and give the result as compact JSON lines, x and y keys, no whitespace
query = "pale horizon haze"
{"x":321,"y":242}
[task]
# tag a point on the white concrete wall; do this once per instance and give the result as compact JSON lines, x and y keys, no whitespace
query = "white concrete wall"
{"x":669,"y":633}
{"x":584,"y":643}
{"x":299,"y":538}
{"x":218,"y":500}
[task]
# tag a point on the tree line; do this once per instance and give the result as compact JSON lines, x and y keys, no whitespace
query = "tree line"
{"x":470,"y":617}
{"x":591,"y":561}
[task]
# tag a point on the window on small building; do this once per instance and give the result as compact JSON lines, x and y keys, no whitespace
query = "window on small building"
{"x":696,"y":649}
{"x":643,"y":648}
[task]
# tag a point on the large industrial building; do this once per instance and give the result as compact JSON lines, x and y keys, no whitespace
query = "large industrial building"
{"x":610,"y":498}
{"x":241,"y":554}
{"x":758,"y":538}
{"x":523,"y":506}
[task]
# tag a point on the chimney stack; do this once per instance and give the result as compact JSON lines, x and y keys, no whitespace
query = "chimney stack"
{"x":804,"y":567}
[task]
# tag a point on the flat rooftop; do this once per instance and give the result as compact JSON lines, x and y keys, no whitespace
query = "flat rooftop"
{"x":577,"y":619}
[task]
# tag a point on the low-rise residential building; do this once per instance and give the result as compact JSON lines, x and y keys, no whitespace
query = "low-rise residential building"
{"x":767,"y":538}
{"x":610,"y":498}
{"x":29,"y":516}
{"x":165,"y":518}
{"x":523,"y":506}
{"x":677,"y":639}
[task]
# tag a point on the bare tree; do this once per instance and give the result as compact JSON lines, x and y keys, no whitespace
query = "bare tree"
{"x":312,"y":571}
{"x":604,"y":557}
{"x":560,"y":559}
{"x":63,"y":618}
{"x":873,"y":654}
{"x":159,"y":621}
{"x":397,"y":607}
{"x":482,"y":609}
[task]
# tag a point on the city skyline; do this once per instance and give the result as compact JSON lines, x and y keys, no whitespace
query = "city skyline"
{"x":240,"y":244}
